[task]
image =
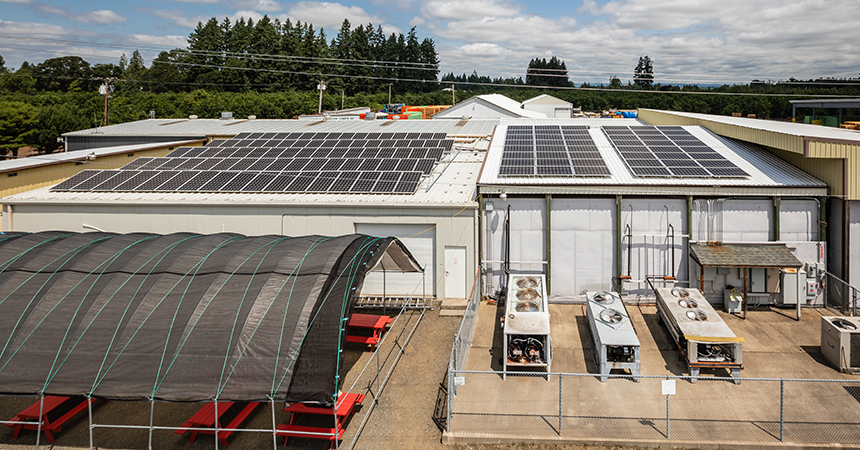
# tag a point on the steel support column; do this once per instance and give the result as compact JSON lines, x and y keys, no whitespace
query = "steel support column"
{"x":548,"y":244}
{"x":776,"y":205}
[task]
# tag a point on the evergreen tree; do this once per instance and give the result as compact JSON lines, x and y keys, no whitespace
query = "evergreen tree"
{"x":643,"y":75}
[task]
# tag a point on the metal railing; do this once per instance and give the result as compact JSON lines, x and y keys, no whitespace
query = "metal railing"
{"x":462,"y":343}
{"x":839,"y":295}
{"x":537,"y":406}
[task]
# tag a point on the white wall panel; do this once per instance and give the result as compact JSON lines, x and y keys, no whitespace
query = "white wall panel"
{"x":798,"y":220}
{"x":854,"y":244}
{"x":528,"y":242}
{"x":583,"y":245}
{"x":747,"y":220}
{"x":649,"y":220}
{"x":420,"y":242}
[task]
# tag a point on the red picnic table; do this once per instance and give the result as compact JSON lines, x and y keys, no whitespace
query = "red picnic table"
{"x":373,"y":322}
{"x":342,"y":410}
{"x":205,"y":418}
{"x":51,"y":402}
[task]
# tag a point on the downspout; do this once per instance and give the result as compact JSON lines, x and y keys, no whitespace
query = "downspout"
{"x":479,"y":263}
{"x":618,"y":239}
{"x":548,"y":244}
{"x":776,"y":204}
{"x":689,"y":238}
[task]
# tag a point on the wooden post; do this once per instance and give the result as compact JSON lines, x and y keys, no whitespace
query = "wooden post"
{"x":745,"y":293}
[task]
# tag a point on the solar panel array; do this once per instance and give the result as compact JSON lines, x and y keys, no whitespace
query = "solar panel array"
{"x":551,"y":150}
{"x":669,"y":152}
{"x":280,"y":162}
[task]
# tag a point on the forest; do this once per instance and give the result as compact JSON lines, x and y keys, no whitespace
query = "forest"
{"x":271,"y":69}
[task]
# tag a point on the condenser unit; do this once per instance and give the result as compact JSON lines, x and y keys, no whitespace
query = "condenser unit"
{"x":840,"y":342}
{"x":615,"y":345}
{"x":527,"y":342}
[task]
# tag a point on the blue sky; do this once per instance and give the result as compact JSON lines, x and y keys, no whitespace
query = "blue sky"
{"x":690,"y":41}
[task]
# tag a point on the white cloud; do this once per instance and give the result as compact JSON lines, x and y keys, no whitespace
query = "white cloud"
{"x":331,"y":15}
{"x":177,"y":17}
{"x":446,"y":10}
{"x":259,"y":5}
{"x":167,"y":41}
{"x":102,"y":17}
{"x":698,"y":41}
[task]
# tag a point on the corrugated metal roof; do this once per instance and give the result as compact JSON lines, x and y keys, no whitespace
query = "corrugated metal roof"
{"x":546,"y":99}
{"x":209,"y":127}
{"x":10,"y":165}
{"x":452,"y":183}
{"x":765,"y":169}
{"x":790,"y":128}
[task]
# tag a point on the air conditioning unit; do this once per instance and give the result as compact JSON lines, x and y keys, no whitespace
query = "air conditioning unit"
{"x":840,"y":342}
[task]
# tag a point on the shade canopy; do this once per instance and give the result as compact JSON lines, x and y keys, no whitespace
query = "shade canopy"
{"x":181,"y":317}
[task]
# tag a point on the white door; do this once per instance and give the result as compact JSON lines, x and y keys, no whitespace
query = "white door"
{"x":420,"y":242}
{"x":455,"y":272}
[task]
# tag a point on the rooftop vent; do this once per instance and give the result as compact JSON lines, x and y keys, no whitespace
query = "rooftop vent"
{"x":226,"y":115}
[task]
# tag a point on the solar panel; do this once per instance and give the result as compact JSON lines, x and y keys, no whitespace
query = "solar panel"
{"x":238,"y":182}
{"x":135,"y":165}
{"x":120,"y":177}
{"x":96,"y":179}
{"x":408,"y":183}
{"x":280,"y":182}
{"x":155,"y":181}
{"x":549,"y":150}
{"x":301,"y":182}
{"x":323,"y":182}
{"x":259,"y":183}
{"x":198,"y":181}
{"x":177,"y":181}
{"x":136,"y":180}
{"x":387,"y":182}
{"x":216,"y":182}
{"x":344,"y":182}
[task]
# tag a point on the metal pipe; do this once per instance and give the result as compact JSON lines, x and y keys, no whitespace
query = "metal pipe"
{"x":41,"y":414}
{"x":671,"y":234}
{"x":746,"y":302}
{"x":274,"y":426}
{"x":776,"y":204}
{"x":507,"y":245}
{"x":618,"y":244}
{"x":90,"y":413}
{"x":151,"y":417}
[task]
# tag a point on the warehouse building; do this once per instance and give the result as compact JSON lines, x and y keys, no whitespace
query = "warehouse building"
{"x":550,"y":106}
{"x":489,"y":106}
{"x":436,"y":217}
{"x":601,"y":204}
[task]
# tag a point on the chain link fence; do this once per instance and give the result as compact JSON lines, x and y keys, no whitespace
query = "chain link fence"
{"x":534,"y":406}
{"x":839,"y":295}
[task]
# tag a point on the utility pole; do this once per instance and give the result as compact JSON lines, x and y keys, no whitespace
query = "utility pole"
{"x":321,"y":88}
{"x":453,"y":96}
{"x":389,"y":93}
{"x":106,"y":88}
{"x":342,"y":98}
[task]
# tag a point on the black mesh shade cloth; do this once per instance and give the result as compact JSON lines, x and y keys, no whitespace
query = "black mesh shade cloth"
{"x":181,"y":317}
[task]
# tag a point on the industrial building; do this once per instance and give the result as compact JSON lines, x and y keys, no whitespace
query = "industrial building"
{"x":550,"y":106}
{"x":606,"y":218}
{"x":437,"y":220}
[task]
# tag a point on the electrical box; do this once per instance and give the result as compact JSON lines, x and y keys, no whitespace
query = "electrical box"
{"x":758,"y":280}
{"x":710,"y":273}
{"x":812,"y":270}
{"x":793,"y":286}
{"x":733,"y":301}
{"x":811,"y":288}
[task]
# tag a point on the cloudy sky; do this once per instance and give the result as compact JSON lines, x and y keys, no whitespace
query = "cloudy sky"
{"x":690,"y":41}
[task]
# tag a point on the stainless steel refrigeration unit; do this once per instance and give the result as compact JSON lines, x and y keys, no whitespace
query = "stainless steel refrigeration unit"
{"x":703,"y":339}
{"x":527,"y":340}
{"x":615,"y":343}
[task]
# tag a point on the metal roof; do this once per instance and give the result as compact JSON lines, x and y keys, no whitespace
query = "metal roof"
{"x":216,"y":127}
{"x":828,"y":103}
{"x":452,"y":183}
{"x":765,"y":169}
{"x":499,"y":101}
{"x":11,"y":165}
{"x":790,"y":128}
{"x":546,"y":99}
{"x":759,"y":255}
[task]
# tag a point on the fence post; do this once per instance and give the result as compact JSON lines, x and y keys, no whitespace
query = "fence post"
{"x":448,"y":404}
{"x":559,"y":403}
{"x":667,"y":415}
{"x":781,"y":410}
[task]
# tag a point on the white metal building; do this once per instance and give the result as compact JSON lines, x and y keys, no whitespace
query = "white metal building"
{"x":438,"y":223}
{"x":490,"y":106}
{"x":578,"y":230}
{"x":550,"y":106}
